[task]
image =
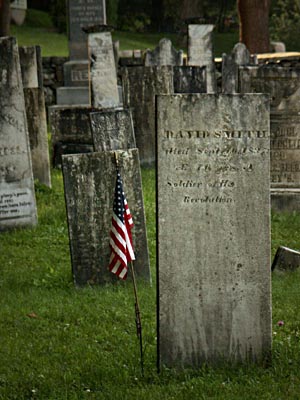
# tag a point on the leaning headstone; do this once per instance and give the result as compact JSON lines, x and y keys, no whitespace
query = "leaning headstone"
{"x":140,"y":86}
{"x":189,"y":79}
{"x":104,"y":87}
{"x":112,"y":130}
{"x":286,"y":259}
{"x":17,"y":197}
{"x":213,"y":237}
{"x":283,"y":86}
{"x":80,"y":13}
{"x":200,"y":52}
{"x":30,"y":60}
{"x":89,"y":181}
{"x":164,"y":54}
{"x":240,"y":56}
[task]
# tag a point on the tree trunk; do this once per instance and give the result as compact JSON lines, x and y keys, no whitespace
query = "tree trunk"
{"x":4,"y":17}
{"x":254,"y":24}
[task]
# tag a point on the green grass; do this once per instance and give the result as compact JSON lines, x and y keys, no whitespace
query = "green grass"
{"x":60,"y":342}
{"x":38,"y":30}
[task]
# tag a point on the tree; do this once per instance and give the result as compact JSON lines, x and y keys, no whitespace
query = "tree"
{"x":254,"y":24}
{"x":4,"y":17}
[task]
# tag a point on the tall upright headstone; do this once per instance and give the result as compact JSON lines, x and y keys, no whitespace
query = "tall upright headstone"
{"x":112,"y":130}
{"x":31,"y":65}
{"x":80,"y":13}
{"x":213,"y":238}
{"x":89,"y":181}
{"x":140,"y":86}
{"x":104,"y":86}
{"x":283,"y":86}
{"x":164,"y":54}
{"x":17,"y":197}
{"x":200,"y":52}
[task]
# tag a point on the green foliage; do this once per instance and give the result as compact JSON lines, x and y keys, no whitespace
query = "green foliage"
{"x":58,"y":15}
{"x":112,"y":12}
{"x":285,"y":23}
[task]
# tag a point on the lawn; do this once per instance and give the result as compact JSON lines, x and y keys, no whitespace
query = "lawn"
{"x":60,"y":342}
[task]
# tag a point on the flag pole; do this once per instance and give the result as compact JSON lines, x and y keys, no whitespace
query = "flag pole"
{"x":138,"y":321}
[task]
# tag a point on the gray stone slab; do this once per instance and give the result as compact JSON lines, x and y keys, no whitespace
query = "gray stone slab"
{"x":89,"y":181}
{"x":140,"y":86}
{"x":38,"y":134}
{"x":112,"y":130}
{"x":189,"y":79}
{"x":283,"y":86}
{"x":200,"y":52}
{"x":164,"y":54}
{"x":76,"y":73}
{"x":104,"y":85}
{"x":286,"y":259}
{"x":73,"y":96}
{"x":240,"y":56}
{"x":29,"y":66}
{"x":83,"y":13}
{"x":213,"y":216}
{"x":17,"y":197}
{"x":285,"y":200}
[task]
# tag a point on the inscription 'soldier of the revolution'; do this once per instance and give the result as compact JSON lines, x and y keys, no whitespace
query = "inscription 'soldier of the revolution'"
{"x":213,"y":216}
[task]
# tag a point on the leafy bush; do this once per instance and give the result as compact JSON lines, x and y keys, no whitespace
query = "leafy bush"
{"x":285,"y":22}
{"x":112,"y":12}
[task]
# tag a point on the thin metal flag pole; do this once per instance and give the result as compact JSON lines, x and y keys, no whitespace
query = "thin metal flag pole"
{"x":138,"y":321}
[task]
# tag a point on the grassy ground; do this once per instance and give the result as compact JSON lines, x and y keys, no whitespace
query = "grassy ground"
{"x":59,"y":342}
{"x":38,"y":29}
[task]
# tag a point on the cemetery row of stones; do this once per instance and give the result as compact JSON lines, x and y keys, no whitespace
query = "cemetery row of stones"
{"x":212,"y":154}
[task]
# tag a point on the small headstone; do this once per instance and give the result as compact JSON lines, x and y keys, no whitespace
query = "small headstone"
{"x":89,"y":181}
{"x":112,"y":130}
{"x":278,"y":47}
{"x":103,"y":70}
{"x":283,"y":86}
{"x":17,"y":197}
{"x":29,"y":66}
{"x":240,"y":56}
{"x":164,"y":54}
{"x":213,"y":237}
{"x":200,"y":52}
{"x":286,"y":259}
{"x":189,"y":79}
{"x":140,"y":86}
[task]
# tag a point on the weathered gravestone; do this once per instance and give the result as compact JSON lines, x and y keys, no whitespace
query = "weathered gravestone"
{"x":89,"y":181}
{"x":200,"y":52}
{"x":31,"y":71}
{"x":283,"y":85}
{"x":163,"y":54}
{"x":286,"y":259}
{"x":112,"y":130}
{"x":189,"y":79}
{"x":240,"y":56}
{"x":140,"y":85}
{"x":17,"y":198}
{"x":213,"y":215}
{"x":80,"y":13}
{"x":103,"y":70}
{"x":71,"y":131}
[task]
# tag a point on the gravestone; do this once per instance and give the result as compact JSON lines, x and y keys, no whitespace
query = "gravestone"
{"x":17,"y":197}
{"x":89,"y":181}
{"x":286,"y":259}
{"x":103,"y":70}
{"x":213,"y":239}
{"x":189,"y":79}
{"x":239,"y":56}
{"x":140,"y":86}
{"x":31,"y":71}
{"x":163,"y":54}
{"x":80,"y":13}
{"x":283,"y":86}
{"x":70,"y":131}
{"x":112,"y":130}
{"x":200,"y":52}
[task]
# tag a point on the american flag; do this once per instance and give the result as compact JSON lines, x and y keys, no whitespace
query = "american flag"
{"x":120,"y":234}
